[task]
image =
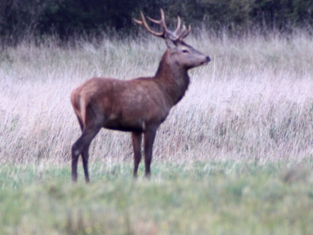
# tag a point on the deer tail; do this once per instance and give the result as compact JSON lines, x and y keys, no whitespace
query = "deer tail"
{"x":79,"y":106}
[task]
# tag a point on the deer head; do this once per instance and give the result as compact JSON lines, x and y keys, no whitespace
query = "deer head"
{"x":181,"y":53}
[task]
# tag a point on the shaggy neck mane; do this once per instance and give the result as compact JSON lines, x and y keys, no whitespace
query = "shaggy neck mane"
{"x":173,"y":78}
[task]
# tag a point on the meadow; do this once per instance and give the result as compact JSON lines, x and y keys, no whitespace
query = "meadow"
{"x":233,"y":157}
{"x":200,"y":198}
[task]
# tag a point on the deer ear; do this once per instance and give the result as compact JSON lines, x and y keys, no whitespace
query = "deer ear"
{"x":170,"y":43}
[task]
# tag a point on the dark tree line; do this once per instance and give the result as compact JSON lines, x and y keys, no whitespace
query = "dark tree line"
{"x":65,"y":18}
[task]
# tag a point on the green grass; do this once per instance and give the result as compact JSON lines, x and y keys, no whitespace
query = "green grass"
{"x":216,"y":197}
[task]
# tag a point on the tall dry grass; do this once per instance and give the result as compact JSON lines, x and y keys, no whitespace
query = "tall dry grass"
{"x":253,"y":101}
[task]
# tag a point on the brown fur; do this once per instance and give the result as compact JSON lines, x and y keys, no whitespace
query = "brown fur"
{"x":138,"y":106}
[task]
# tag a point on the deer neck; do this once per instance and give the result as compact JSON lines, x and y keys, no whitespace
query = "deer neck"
{"x":173,"y":79}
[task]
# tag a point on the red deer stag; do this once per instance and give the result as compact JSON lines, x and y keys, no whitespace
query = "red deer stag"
{"x":139,"y":105}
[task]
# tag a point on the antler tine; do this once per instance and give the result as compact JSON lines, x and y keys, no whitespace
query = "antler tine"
{"x":185,"y":32}
{"x":161,"y":21}
{"x":163,"y":24}
{"x":155,"y":21}
{"x":178,"y":25}
{"x":143,"y":22}
{"x":137,"y":21}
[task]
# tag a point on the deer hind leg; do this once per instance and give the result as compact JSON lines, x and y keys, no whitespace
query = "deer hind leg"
{"x":136,"y":140}
{"x":75,"y":154}
{"x":149,"y":137}
{"x":81,"y":146}
{"x":85,"y":157}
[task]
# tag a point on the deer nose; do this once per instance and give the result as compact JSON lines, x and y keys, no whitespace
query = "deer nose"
{"x":208,"y":58}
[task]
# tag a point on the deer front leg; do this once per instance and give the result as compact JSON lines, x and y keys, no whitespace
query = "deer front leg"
{"x":149,"y":137}
{"x":136,"y":139}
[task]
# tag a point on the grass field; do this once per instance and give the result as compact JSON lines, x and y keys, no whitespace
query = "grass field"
{"x":233,"y":157}
{"x":201,"y":198}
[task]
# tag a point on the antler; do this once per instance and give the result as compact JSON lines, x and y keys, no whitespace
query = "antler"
{"x":165,"y":32}
{"x":143,"y":22}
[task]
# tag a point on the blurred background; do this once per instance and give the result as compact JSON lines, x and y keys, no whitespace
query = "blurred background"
{"x":68,"y":18}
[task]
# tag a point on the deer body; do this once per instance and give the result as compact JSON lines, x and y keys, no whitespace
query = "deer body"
{"x":123,"y":105}
{"x":139,"y":105}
